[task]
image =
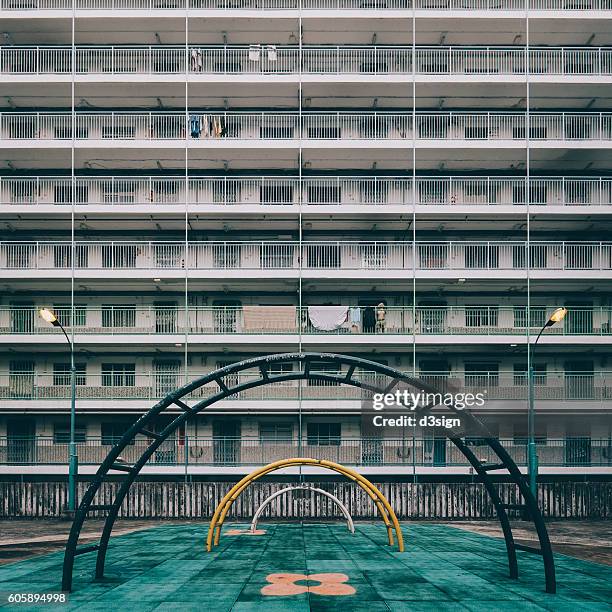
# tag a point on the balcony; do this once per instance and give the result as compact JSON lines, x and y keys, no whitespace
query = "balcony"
{"x":203,"y":62}
{"x":139,"y":324}
{"x":311,"y":129}
{"x":155,"y":193}
{"x":592,"y":389}
{"x":332,"y":259}
{"x":225,"y":451}
{"x":498,"y":7}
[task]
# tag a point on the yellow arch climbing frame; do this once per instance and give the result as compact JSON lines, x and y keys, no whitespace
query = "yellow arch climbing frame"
{"x":384,"y":507}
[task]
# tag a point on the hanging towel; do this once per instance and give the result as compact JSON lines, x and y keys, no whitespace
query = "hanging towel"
{"x":269,"y":318}
{"x":254,"y":53}
{"x":327,"y":318}
{"x":272,"y":54}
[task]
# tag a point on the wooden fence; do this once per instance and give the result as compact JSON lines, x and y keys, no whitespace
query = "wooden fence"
{"x":176,"y":500}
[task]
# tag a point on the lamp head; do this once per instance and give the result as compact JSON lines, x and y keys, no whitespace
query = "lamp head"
{"x":557,"y":316}
{"x":49,"y":316}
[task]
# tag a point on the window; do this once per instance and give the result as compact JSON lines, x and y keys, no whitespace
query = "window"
{"x":520,"y":435}
{"x":226,"y":192}
{"x":276,"y":194}
{"x":322,"y":367}
{"x":275,"y":432}
{"x":374,"y":192}
{"x":119,"y":131}
{"x":118,"y":316}
{"x":323,"y":434}
{"x":324,"y":194}
{"x":64,"y":314}
{"x":118,"y":256}
{"x":323,"y":132}
{"x":481,"y":374}
{"x":118,"y":192}
{"x":118,"y":374}
{"x":61,"y":374}
{"x":538,"y":316}
{"x":432,"y":192}
{"x":61,"y":433}
{"x":481,"y":316}
{"x":23,"y":191}
{"x":113,"y":432}
{"x":520,"y":374}
{"x":62,"y":194}
{"x":323,"y":255}
{"x":276,"y":132}
{"x":475,"y":192}
{"x":277,"y":369}
{"x":481,"y":256}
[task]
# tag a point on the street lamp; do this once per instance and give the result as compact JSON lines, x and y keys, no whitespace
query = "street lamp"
{"x":73,"y":467}
{"x":557,"y":316}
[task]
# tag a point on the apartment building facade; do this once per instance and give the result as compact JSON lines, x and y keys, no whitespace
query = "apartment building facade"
{"x":188,"y":183}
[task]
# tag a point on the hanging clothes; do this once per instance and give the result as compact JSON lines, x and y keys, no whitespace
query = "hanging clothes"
{"x":381,"y":313}
{"x":196,"y":60}
{"x":369,"y":320}
{"x":355,"y":318}
{"x":254,"y":53}
{"x":195,"y":126}
{"x":223,"y":127}
{"x":327,"y":318}
{"x":205,"y":126}
{"x":272,"y":53}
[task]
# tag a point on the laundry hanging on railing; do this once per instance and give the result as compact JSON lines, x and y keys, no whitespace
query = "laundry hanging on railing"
{"x":354,"y":316}
{"x":207,"y":126}
{"x":327,"y":318}
{"x":195,"y":126}
{"x":196,"y":60}
{"x":269,"y":318}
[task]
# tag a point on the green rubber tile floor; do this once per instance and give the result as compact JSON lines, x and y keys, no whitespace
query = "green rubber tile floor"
{"x":312,"y":566}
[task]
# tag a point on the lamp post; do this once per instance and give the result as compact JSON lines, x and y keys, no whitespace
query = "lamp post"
{"x":73,"y":466}
{"x":532,"y":454}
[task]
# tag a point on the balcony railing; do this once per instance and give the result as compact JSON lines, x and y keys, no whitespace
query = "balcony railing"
{"x":226,"y":451}
{"x":277,"y":255}
{"x":312,"y":190}
{"x":134,"y":384}
{"x":470,"y":320}
{"x":311,"y":126}
{"x":273,"y":59}
{"x":496,"y":6}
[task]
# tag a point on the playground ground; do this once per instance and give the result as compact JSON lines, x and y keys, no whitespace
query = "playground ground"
{"x":311,"y":566}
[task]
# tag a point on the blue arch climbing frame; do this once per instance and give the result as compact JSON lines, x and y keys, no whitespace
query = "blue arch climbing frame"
{"x":225,"y":379}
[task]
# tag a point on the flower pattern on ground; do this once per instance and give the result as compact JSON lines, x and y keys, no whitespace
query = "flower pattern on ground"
{"x":286,"y":584}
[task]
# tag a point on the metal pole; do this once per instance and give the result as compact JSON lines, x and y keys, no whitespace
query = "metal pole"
{"x":73,"y":465}
{"x":532,"y":452}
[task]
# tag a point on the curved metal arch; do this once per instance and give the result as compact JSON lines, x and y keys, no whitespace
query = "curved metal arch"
{"x":112,"y":462}
{"x":266,"y":502}
{"x":384,"y":507}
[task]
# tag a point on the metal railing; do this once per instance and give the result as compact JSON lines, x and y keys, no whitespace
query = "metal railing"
{"x":496,"y":6}
{"x":322,"y":255}
{"x":472,"y":320}
{"x":121,"y":383}
{"x":281,"y":59}
{"x":311,"y":190}
{"x":229,"y":451}
{"x":372,"y":126}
